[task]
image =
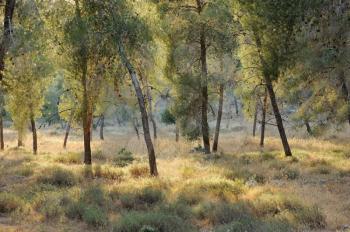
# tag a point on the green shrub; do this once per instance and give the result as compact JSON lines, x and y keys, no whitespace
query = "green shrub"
{"x":9,"y":203}
{"x":311,"y":217}
{"x":135,"y":221}
{"x":49,"y":205}
{"x":178,"y":208}
{"x":267,"y":156}
{"x":254,"y":225}
{"x":95,"y":195}
{"x":148,"y":229}
{"x":98,"y":155}
{"x":238,"y":173}
{"x":26,"y":170}
{"x":75,"y":210}
{"x":70,"y":158}
{"x":58,"y":177}
{"x":141,"y":198}
{"x":291,"y":174}
{"x":139,"y":170}
{"x":94,"y":216}
{"x":123,"y":158}
{"x":323,"y":170}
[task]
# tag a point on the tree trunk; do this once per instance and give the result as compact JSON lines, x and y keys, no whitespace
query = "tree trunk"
{"x":102,"y":124}
{"x":218,"y":120}
{"x":255,"y":118}
{"x":263,"y":119}
{"x":20,"y":141}
{"x":68,"y":129}
{"x":308,"y":127}
{"x":35,"y":138}
{"x":274,"y":104}
{"x":345,"y":92}
{"x":236,"y":105}
{"x":177,"y":132}
{"x":2,"y":144}
{"x":87,"y":120}
{"x":204,"y":97}
{"x":5,"y":44}
{"x":135,"y":124}
{"x":144,"y":116}
{"x":149,"y":98}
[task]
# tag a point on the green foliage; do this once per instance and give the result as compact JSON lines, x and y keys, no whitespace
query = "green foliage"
{"x":123,"y":158}
{"x":135,"y":221}
{"x":10,"y":202}
{"x":140,"y":198}
{"x":58,"y":176}
{"x":167,"y":117}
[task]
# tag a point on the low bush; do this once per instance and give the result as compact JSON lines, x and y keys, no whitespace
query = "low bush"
{"x":123,"y":158}
{"x":95,"y":216}
{"x":58,"y":176}
{"x":10,"y":202}
{"x":108,"y":172}
{"x":311,"y":217}
{"x":141,"y":198}
{"x":151,"y":221}
{"x":95,"y":195}
{"x":26,"y":170}
{"x":98,"y":155}
{"x":291,"y":173}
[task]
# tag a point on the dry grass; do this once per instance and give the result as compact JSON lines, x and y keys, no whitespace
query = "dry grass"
{"x":244,"y":177}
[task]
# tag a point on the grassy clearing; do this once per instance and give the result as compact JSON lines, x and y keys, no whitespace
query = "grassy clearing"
{"x":235,"y":190}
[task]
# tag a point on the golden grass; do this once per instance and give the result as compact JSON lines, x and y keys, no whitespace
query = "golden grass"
{"x":234,"y":175}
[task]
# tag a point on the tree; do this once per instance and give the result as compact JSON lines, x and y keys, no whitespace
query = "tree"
{"x":270,"y":26}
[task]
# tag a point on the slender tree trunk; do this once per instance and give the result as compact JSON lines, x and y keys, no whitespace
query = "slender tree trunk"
{"x":102,"y":124}
{"x":35,"y":138}
{"x":218,"y":120}
{"x":87,"y":120}
{"x":204,"y":86}
{"x":144,"y":116}
{"x":345,"y":92}
{"x":255,"y":118}
{"x":269,"y":85}
{"x":150,"y":108}
{"x":135,"y":124}
{"x":20,"y":140}
{"x":68,"y":127}
{"x":4,"y":46}
{"x":177,"y":132}
{"x":263,"y":119}
{"x":308,"y":127}
{"x":236,"y":105}
{"x":2,"y":144}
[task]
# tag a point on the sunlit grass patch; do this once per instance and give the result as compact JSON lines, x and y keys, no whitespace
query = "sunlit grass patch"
{"x":108,"y":172}
{"x":10,"y":202}
{"x":139,"y":170}
{"x":58,"y":176}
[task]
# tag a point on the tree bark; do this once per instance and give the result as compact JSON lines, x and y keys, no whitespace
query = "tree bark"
{"x":177,"y":132}
{"x":345,"y":92}
{"x":218,"y":120}
{"x":255,"y":118}
{"x":150,"y":108}
{"x":5,"y":44}
{"x":144,"y":116}
{"x":69,"y":124}
{"x":236,"y":105}
{"x":102,"y":124}
{"x":20,"y":141}
{"x":204,"y":90}
{"x":35,"y":138}
{"x":135,"y":125}
{"x":308,"y":127}
{"x":267,"y":76}
{"x":263,"y":119}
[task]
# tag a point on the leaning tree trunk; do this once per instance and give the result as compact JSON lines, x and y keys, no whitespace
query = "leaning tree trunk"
{"x":136,"y":128}
{"x":263,"y":119}
{"x":35,"y":138}
{"x":144,"y":116}
{"x":308,"y":127}
{"x":255,"y":118}
{"x":278,"y":116}
{"x":269,"y":86}
{"x":204,"y":92}
{"x":149,"y":98}
{"x":102,"y":124}
{"x":4,"y":46}
{"x":218,"y":120}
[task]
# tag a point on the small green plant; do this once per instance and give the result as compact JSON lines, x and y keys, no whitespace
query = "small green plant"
{"x":123,"y":158}
{"x":291,"y":174}
{"x":141,"y":198}
{"x":58,"y":176}
{"x":95,"y":217}
{"x":98,"y":155}
{"x":26,"y":170}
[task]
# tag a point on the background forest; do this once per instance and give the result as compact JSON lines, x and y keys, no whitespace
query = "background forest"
{"x":175,"y":115}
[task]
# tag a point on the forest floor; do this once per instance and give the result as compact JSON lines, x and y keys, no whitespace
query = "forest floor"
{"x":241,"y":188}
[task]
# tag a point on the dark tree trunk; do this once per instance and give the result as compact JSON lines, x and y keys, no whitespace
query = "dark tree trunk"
{"x":177,"y":132}
{"x":345,"y":92}
{"x":204,"y":97}
{"x":102,"y":124}
{"x":69,"y":123}
{"x":5,"y":44}
{"x":20,"y":141}
{"x":35,"y":138}
{"x":269,"y":85}
{"x":263,"y":119}
{"x":150,"y":107}
{"x":278,"y":116}
{"x":255,"y":118}
{"x":2,"y":144}
{"x":144,"y":116}
{"x":308,"y":127}
{"x":218,"y":120}
{"x":136,"y":128}
{"x":236,"y":105}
